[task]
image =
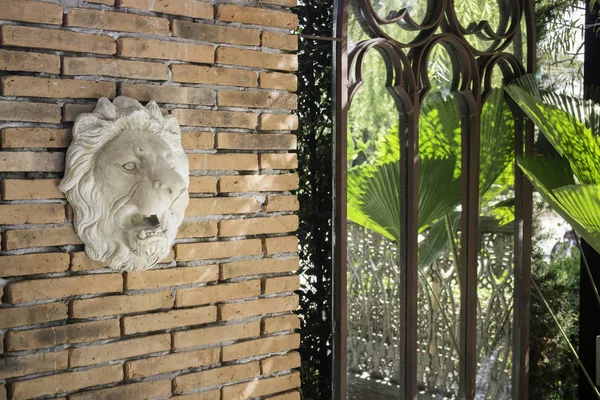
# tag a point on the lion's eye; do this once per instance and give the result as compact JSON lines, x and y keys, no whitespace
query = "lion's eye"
{"x":130,"y":166}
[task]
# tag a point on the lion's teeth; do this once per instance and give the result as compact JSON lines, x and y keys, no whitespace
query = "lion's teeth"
{"x":142,"y":235}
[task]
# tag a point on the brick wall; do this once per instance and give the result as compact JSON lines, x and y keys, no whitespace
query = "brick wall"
{"x":213,"y":321}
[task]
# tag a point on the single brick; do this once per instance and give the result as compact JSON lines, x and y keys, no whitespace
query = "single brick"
{"x":167,"y":94}
{"x":194,"y":229}
{"x":118,"y":305}
{"x":66,"y":382}
{"x":31,"y":11}
{"x":213,"y":75}
{"x":258,"y":347}
{"x":280,"y":41}
{"x":213,"y":335}
{"x":258,"y":267}
{"x":32,"y":364}
{"x":257,"y":16}
{"x":228,"y":312}
{"x":280,"y":323}
{"x":150,"y":48}
{"x":26,"y":161}
{"x":72,"y":111}
{"x":141,"y":390}
{"x":116,"y":68}
{"x":278,"y":80}
{"x":216,"y":250}
{"x":26,"y":36}
{"x":29,"y":112}
{"x":58,"y":288}
{"x":278,"y":122}
{"x":282,"y":284}
{"x":279,"y":161}
{"x":222,"y":205}
{"x":262,"y":387}
{"x":18,"y":214}
{"x":35,"y":138}
{"x":171,"y":277}
{"x":197,"y":140}
{"x":55,"y":88}
{"x":186,"y":8}
{"x":203,"y":184}
{"x":217,"y":293}
{"x":23,"y":316}
{"x":295,"y":395}
{"x":253,"y":99}
{"x":82,"y":356}
{"x":169,"y":320}
{"x":171,"y":362}
{"x":73,"y":333}
{"x":216,"y":376}
{"x":212,"y":162}
{"x":280,"y":363}
{"x":258,"y":226}
{"x":206,"y":395}
{"x":22,"y":238}
{"x":257,"y":59}
{"x":115,"y":21}
{"x":31,"y":264}
{"x":282,"y":203}
{"x":30,"y":62}
{"x":287,"y":244}
{"x":258,"y":141}
{"x":215,"y":34}
{"x":31,"y":189}
{"x":217,"y":119}
{"x":258,"y":183}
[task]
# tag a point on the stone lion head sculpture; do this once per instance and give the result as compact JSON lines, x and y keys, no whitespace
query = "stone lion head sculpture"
{"x":127,"y":180}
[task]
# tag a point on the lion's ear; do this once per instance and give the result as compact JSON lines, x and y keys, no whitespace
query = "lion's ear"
{"x":106,"y":110}
{"x":154,"y":110}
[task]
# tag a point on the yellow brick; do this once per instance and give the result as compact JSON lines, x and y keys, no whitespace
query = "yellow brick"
{"x":194,"y":229}
{"x":186,"y":8}
{"x":280,"y":323}
{"x":82,"y":356}
{"x":217,"y":119}
{"x":57,"y":288}
{"x":213,"y":75}
{"x":277,"y":80}
{"x":251,"y":141}
{"x":213,"y":162}
{"x":26,"y":161}
{"x":280,"y":363}
{"x":258,"y":59}
{"x":81,"y":262}
{"x":26,"y":36}
{"x":141,"y":390}
{"x":257,"y":16}
{"x":31,"y":11}
{"x":254,"y":99}
{"x":116,"y":68}
{"x":114,"y":21}
{"x":171,"y":362}
{"x":203,"y":184}
{"x":258,"y":267}
{"x":282,"y":203}
{"x":258,"y":226}
{"x":167,"y":94}
{"x":258,"y":347}
{"x":66,"y":382}
{"x":295,"y":395}
{"x":215,"y":34}
{"x":262,"y":387}
{"x":287,"y":244}
{"x":31,"y":189}
{"x":30,"y":62}
{"x":197,"y":140}
{"x":29,"y":112}
{"x":278,"y":122}
{"x":280,"y":41}
{"x":169,"y":320}
{"x":17,"y":214}
{"x":217,"y":376}
{"x":258,"y":183}
{"x":55,"y":88}
{"x":118,"y":305}
{"x":18,"y":239}
{"x":73,"y":333}
{"x":72,"y":111}
{"x":279,"y":161}
{"x":222,"y":205}
{"x":171,"y":277}
{"x":216,"y":250}
{"x":35,"y":137}
{"x":23,"y":316}
{"x":33,"y":363}
{"x":217,"y":293}
{"x":282,"y":284}
{"x":31,"y":264}
{"x":252,"y":308}
{"x":213,"y":335}
{"x":150,"y":48}
{"x":206,"y":395}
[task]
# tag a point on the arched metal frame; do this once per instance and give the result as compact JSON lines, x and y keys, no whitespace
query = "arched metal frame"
{"x":407,"y":82}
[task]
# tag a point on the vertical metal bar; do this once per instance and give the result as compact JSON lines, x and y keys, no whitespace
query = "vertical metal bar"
{"x":340,"y":323}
